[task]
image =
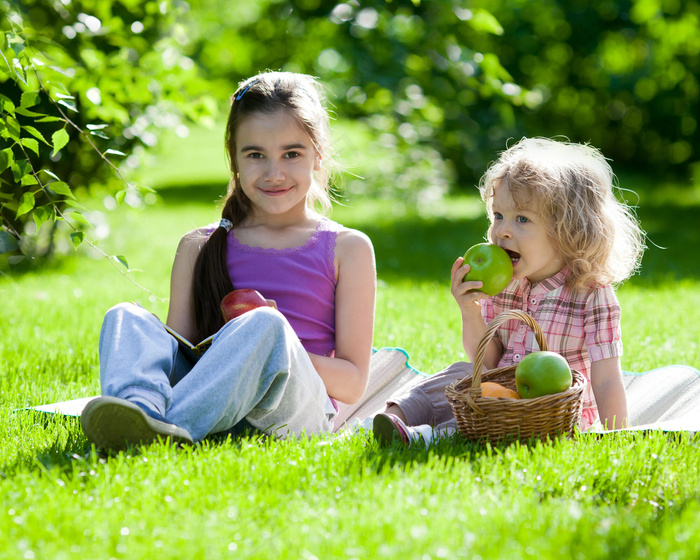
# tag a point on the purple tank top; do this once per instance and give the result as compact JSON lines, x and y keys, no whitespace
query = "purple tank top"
{"x":301,"y":280}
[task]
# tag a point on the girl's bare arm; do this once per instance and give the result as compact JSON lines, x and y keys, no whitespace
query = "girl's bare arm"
{"x":180,"y":310}
{"x":346,"y":374}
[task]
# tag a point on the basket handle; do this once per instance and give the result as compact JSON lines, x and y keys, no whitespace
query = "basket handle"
{"x":491,"y":329}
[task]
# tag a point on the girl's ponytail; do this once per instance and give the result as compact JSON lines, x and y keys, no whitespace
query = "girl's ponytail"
{"x":211,"y":279}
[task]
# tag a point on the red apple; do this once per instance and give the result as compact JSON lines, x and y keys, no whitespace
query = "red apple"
{"x":238,"y":302}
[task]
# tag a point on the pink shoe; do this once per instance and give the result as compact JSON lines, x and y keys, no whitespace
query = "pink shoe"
{"x":388,"y":428}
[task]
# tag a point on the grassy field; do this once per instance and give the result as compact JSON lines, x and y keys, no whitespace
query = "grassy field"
{"x":617,"y":496}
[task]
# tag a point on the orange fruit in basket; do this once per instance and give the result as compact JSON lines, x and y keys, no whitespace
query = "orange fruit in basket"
{"x":491,"y":389}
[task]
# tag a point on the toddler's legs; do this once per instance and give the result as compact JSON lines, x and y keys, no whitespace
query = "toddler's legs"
{"x":425,"y":402}
{"x":422,"y":412}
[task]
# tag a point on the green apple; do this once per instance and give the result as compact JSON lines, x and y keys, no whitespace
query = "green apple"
{"x":542,"y":373}
{"x":489,"y":264}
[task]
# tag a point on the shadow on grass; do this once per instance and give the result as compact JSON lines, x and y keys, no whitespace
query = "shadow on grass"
{"x":447,"y":449}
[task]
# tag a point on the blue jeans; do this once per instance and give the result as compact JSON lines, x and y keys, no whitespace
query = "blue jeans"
{"x":256,"y":369}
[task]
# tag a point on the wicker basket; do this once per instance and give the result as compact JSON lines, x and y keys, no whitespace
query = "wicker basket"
{"x":493,"y":419}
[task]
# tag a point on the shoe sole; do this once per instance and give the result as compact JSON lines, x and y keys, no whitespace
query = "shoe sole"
{"x":385,"y":432}
{"x":112,"y":423}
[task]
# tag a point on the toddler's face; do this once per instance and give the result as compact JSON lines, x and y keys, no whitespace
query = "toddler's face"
{"x":523,"y":233}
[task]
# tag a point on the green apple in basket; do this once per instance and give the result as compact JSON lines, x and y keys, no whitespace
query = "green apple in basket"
{"x":490,"y":264}
{"x":542,"y":373}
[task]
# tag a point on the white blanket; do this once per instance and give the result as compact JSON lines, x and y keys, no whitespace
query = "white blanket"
{"x":667,"y":398}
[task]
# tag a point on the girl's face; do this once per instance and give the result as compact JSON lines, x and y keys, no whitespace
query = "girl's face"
{"x":522,"y":232}
{"x":276,"y":162}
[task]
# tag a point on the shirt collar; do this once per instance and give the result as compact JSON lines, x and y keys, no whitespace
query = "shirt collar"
{"x":552,"y":283}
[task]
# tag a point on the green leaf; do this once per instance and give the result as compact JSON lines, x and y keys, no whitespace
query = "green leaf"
{"x":7,"y":104}
{"x":12,"y":127}
{"x":19,"y":71}
{"x":78,"y":217}
{"x":28,"y":180}
{"x":34,"y":132}
{"x":119,"y":196}
{"x":68,"y":105}
{"x":59,"y":139}
{"x":48,"y":119}
{"x":8,"y":243}
{"x":29,"y":99}
{"x":26,"y":203}
{"x":31,"y":144}
{"x":28,"y":113}
{"x":42,"y":214}
{"x":72,"y":203}
{"x":485,"y":21}
{"x":6,"y":159}
{"x":77,"y":238}
{"x":20,"y":168}
{"x":114,"y":152}
{"x":51,"y":174}
{"x":59,"y":187}
{"x":15,"y":42}
{"x":121,"y":259}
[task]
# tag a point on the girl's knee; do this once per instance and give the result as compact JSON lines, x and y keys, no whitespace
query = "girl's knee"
{"x":125,"y":312}
{"x":265,"y":320}
{"x":116,"y":312}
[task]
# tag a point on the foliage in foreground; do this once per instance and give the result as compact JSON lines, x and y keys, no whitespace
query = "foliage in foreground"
{"x":85,"y":87}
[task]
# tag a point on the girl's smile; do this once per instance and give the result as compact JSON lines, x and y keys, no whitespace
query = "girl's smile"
{"x":276,"y":192}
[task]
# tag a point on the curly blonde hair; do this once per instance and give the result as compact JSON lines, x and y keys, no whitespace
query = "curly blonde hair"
{"x":572,"y":187}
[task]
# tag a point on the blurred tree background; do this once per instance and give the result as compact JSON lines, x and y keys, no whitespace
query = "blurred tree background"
{"x":434,"y":87}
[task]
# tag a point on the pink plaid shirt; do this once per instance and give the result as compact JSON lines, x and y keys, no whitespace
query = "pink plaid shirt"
{"x":583,"y":327}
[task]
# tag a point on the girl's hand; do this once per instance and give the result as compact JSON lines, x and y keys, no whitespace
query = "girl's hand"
{"x":461,"y":291}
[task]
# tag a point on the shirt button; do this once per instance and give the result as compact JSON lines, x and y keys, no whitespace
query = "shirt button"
{"x":533,"y":301}
{"x":516,"y":357}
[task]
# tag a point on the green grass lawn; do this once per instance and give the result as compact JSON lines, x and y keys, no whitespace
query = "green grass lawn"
{"x":617,"y":496}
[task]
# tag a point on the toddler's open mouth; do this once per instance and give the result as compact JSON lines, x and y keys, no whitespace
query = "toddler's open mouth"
{"x":514,"y":257}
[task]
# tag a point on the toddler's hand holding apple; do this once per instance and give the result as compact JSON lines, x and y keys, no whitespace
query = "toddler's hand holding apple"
{"x":465,"y":292}
{"x":489,"y":264}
